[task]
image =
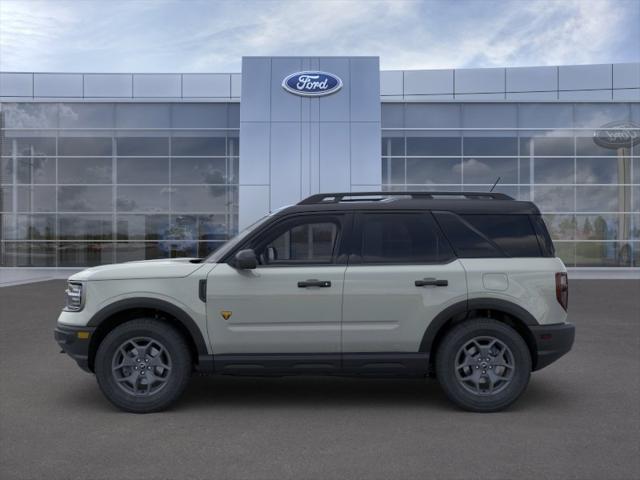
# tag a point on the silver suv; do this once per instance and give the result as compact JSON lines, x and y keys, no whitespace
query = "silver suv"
{"x":464,"y":287}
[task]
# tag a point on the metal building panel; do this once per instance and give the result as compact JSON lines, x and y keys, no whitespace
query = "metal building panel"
{"x":103,"y":85}
{"x":256,"y":90}
{"x":532,"y":96}
{"x":16,"y":84}
{"x":391,"y":83}
{"x":428,"y":82}
{"x":626,"y":75}
{"x":206,"y":85}
{"x":532,"y":79}
{"x":285,"y":163}
{"x":336,"y":107}
{"x":254,"y":153}
{"x":156,"y":85}
{"x":57,"y":85}
{"x":236,"y":85}
{"x":334,"y":168}
{"x":285,"y":107}
{"x":254,"y":201}
{"x":627,"y":95}
{"x":479,"y":80}
{"x":586,"y":95}
{"x":364,"y":85}
{"x":585,"y":77}
{"x":365,"y":153}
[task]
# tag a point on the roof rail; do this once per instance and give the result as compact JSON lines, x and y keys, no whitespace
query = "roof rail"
{"x":359,"y":196}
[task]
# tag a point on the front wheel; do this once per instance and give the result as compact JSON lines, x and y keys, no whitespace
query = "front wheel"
{"x":143,"y":366}
{"x":483,"y":365}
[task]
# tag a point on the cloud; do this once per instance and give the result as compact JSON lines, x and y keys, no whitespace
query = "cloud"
{"x":164,"y":36}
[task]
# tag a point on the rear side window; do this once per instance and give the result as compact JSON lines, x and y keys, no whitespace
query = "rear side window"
{"x":402,"y":238}
{"x":546,"y":244}
{"x":483,"y":235}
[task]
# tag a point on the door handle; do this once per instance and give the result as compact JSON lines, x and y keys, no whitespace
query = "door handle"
{"x":314,"y":283}
{"x":428,"y":282}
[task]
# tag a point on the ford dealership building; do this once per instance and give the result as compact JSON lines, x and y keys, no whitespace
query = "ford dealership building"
{"x":101,"y":168}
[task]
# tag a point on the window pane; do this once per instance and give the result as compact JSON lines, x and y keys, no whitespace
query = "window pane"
{"x":603,"y":199}
{"x":393,"y":171}
{"x":28,"y":146}
{"x":36,"y":199}
{"x":86,"y":115}
{"x":588,"y":147}
{"x":142,"y":146}
{"x":466,"y":242}
{"x":542,"y":146}
{"x":425,"y":115}
{"x":402,"y":238}
{"x":85,"y":170}
{"x":146,"y":115}
{"x":554,"y":199}
{"x":198,"y":146}
{"x":554,"y":170}
{"x":143,"y":199}
{"x":199,"y":115}
{"x":566,"y":251}
{"x":306,"y":243}
{"x":199,"y":170}
{"x":143,"y":170}
{"x":490,"y":146}
{"x":419,"y":145}
{"x":142,"y":227}
{"x":203,"y":199}
{"x":129,"y":252}
{"x":392,"y":146}
{"x":487,"y":170}
{"x":85,"y":227}
{"x":201,"y":227}
{"x":85,"y":199}
{"x":85,"y":254}
{"x":487,"y":115}
{"x":36,"y":170}
{"x":92,"y":146}
{"x":28,"y":254}
{"x":598,"y":114}
{"x":514,"y":234}
{"x":603,"y":170}
{"x":34,"y":227}
{"x":6,"y":199}
{"x":545,"y":115}
{"x":30,"y":115}
{"x":603,"y":227}
{"x":561,"y":227}
{"x":392,"y":115}
{"x":603,"y":254}
{"x":434,"y":170}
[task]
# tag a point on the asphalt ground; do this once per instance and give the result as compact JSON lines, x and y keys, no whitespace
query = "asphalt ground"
{"x":579,"y":418}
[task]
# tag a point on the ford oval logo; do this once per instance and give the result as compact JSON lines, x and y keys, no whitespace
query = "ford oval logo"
{"x":312,"y":83}
{"x":617,"y":135}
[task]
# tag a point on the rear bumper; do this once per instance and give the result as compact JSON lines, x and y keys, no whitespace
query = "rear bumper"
{"x":74,"y":345}
{"x":552,"y":342}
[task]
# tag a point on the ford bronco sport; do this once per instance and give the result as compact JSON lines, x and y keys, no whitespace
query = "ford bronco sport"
{"x":464,"y":287}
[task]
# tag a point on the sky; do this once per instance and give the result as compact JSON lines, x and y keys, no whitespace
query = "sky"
{"x":212,"y":36}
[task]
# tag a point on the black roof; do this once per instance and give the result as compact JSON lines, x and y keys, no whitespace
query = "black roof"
{"x":457,"y":202}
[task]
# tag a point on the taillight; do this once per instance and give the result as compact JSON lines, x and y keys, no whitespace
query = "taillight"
{"x":562,"y":289}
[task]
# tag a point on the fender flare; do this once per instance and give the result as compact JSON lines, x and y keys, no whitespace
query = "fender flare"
{"x":464,"y":307}
{"x":154,"y":304}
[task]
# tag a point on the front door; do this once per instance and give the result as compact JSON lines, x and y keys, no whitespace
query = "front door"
{"x":403,"y":273}
{"x":290,"y":305}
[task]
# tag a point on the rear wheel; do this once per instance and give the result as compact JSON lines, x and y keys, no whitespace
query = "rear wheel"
{"x":483,"y":365}
{"x":143,"y":366}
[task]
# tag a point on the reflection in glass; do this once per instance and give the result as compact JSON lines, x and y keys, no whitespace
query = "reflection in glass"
{"x":35,"y":227}
{"x":487,"y":170}
{"x":200,"y":227}
{"x":142,"y":146}
{"x":203,"y":199}
{"x":393,"y":171}
{"x":143,"y":170}
{"x":85,"y":199}
{"x":449,"y":146}
{"x":142,"y":227}
{"x":490,"y":146}
{"x":143,"y":199}
{"x":603,"y":170}
{"x":36,"y":170}
{"x":554,"y":199}
{"x":602,"y":198}
{"x":28,"y":146}
{"x":546,"y":146}
{"x":603,"y":254}
{"x":129,"y":252}
{"x":561,"y":227}
{"x":72,"y":254}
{"x":78,"y":170}
{"x":199,"y":170}
{"x":434,"y":170}
{"x":28,"y":254}
{"x":198,"y":146}
{"x":554,"y":170}
{"x":85,"y":146}
{"x":392,"y":146}
{"x":36,"y":199}
{"x":85,"y":227}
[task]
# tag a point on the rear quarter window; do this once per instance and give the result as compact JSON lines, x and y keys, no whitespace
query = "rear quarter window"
{"x":490,"y":235}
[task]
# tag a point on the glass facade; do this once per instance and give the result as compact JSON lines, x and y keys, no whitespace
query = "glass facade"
{"x":544,"y":152}
{"x":85,"y":184}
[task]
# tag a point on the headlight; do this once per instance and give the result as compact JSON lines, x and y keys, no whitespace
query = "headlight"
{"x":74,"y":297}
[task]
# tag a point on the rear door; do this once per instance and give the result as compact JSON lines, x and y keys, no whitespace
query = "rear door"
{"x":402,"y":275}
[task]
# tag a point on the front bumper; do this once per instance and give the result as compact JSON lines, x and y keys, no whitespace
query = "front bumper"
{"x":552,"y":342}
{"x":75,"y":342}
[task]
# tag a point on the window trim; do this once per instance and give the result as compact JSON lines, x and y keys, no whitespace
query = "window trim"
{"x":355,"y":258}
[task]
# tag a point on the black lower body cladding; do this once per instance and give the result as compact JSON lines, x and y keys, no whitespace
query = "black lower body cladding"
{"x":552,"y":342}
{"x":75,"y":341}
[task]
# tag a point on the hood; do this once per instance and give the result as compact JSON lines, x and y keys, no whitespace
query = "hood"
{"x":163,"y":268}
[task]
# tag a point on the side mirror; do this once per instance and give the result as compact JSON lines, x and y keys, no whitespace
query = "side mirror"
{"x":246,"y":259}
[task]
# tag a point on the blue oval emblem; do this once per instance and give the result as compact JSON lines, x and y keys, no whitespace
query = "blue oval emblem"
{"x":312,"y":83}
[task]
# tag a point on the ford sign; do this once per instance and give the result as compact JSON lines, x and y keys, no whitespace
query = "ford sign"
{"x":312,"y":84}
{"x":617,"y":135}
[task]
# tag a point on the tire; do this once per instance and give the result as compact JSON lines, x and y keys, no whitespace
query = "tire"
{"x":143,"y":366}
{"x":472,"y":382}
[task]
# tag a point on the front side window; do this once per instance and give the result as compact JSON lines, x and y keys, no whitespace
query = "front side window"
{"x":301,"y":242}
{"x":402,"y":238}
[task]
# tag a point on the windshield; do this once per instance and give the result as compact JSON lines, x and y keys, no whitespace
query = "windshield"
{"x":215,"y":256}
